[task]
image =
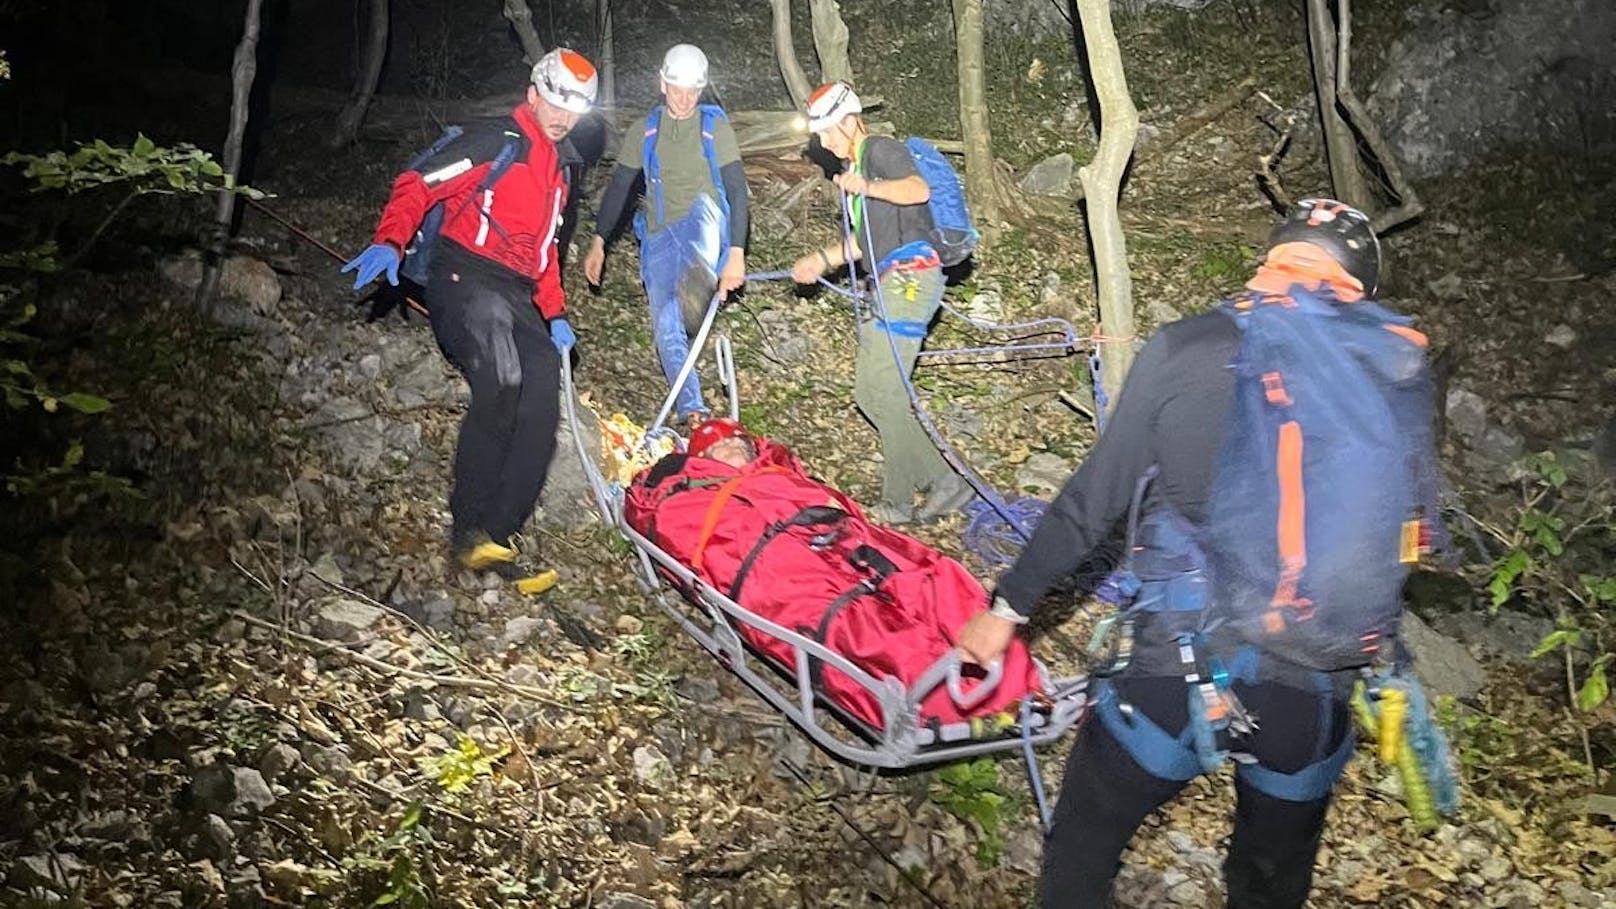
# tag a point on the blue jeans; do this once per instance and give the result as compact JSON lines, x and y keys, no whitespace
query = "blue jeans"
{"x":679,"y":266}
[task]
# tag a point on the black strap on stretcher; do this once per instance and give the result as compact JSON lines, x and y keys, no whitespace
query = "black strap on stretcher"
{"x":812,"y":516}
{"x":864,"y":558}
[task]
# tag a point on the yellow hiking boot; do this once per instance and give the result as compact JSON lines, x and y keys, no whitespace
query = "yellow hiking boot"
{"x":483,"y":554}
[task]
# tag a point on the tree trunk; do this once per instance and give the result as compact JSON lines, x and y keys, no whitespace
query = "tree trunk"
{"x":1340,"y":146}
{"x":979,"y":183}
{"x":243,"y":70}
{"x":1102,"y":184}
{"x":785,"y":54}
{"x":521,"y":19}
{"x":1409,"y":205}
{"x":608,"y":54}
{"x":370,"y":73}
{"x":830,"y":41}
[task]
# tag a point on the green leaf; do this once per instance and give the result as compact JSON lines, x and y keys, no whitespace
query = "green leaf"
{"x":1595,"y":689}
{"x":85,"y":403}
{"x":73,"y":456}
{"x":1560,"y":637}
{"x":143,"y":146}
{"x":387,"y":898}
{"x":176,"y":179}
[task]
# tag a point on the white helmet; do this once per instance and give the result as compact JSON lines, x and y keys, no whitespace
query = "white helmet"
{"x":829,"y":104}
{"x":685,"y":66}
{"x":564,"y":78}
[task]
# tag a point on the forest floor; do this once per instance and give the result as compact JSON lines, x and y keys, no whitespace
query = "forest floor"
{"x":258,"y":683}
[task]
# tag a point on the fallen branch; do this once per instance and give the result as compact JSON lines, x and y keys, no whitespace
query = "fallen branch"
{"x":1198,"y":119}
{"x":446,"y":681}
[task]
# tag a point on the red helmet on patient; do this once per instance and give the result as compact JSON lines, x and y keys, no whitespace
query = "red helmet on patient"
{"x":711,"y":432}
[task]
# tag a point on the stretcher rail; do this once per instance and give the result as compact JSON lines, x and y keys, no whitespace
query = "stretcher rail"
{"x":714,"y":621}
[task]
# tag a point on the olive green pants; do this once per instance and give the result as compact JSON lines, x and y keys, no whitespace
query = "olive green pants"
{"x":910,"y":461}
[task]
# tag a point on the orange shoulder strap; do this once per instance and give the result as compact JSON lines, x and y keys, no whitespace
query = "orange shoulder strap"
{"x":710,"y":522}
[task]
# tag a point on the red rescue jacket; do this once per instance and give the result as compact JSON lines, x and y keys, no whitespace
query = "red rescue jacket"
{"x":514,"y":222}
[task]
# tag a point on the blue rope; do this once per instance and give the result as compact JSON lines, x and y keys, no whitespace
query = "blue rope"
{"x":1035,"y":776}
{"x":993,"y":539}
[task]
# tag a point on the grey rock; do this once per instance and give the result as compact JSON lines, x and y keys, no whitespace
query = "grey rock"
{"x":424,"y":382}
{"x":1495,"y":868}
{"x":1499,"y":445}
{"x":232,"y":792}
{"x":1162,"y":312}
{"x":785,"y":341}
{"x":987,"y":306}
{"x":1466,"y":412}
{"x":342,"y":619}
{"x":1024,"y":849}
{"x":961,"y":421}
{"x":1562,"y":336}
{"x":216,"y":840}
{"x":1049,"y":290}
{"x":1456,"y":85}
{"x":1604,"y":448}
{"x":524,"y":674}
{"x":1188,"y":893}
{"x":436,"y":612}
{"x":109,"y":825}
{"x":625,"y":901}
{"x":1510,"y":634}
{"x":1043,"y":474}
{"x":59,"y":872}
{"x":370,"y":366}
{"x":243,"y":278}
{"x":520,"y":629}
{"x":699,"y":689}
{"x":1576,"y":894}
{"x":403,"y":439}
{"x":1442,"y":664}
{"x":330,"y":762}
{"x":1051,"y":176}
{"x":420,"y":706}
{"x":567,"y":500}
{"x":277,"y":759}
{"x":651,"y":766}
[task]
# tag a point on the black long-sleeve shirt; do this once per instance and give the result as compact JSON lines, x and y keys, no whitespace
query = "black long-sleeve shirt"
{"x":1171,"y":413}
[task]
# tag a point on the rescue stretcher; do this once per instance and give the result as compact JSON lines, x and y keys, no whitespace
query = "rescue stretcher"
{"x":903,"y":738}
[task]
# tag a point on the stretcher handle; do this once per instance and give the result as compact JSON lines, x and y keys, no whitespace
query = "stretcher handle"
{"x":947,"y":672}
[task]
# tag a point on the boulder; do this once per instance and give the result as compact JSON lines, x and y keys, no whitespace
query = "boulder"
{"x":1051,"y":176}
{"x":1463,"y":81}
{"x":1510,"y":634}
{"x":567,"y":500}
{"x":231,"y":792}
{"x":1442,"y":664}
{"x":342,"y":619}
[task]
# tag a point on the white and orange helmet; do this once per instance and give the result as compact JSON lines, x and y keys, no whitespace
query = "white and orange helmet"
{"x":829,"y":104}
{"x":566,"y":79}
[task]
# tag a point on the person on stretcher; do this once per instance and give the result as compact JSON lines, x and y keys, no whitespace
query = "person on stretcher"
{"x":741,"y":513}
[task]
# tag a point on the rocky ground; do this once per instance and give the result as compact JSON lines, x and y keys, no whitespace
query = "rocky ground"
{"x":260,"y":684}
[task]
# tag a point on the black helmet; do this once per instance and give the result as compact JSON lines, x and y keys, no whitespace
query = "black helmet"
{"x":1340,"y":230}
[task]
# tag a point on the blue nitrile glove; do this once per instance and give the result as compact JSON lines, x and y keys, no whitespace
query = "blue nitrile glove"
{"x":561,"y":333}
{"x":378,"y":258}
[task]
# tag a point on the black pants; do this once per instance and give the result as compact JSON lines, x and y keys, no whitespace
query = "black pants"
{"x":486,"y":324}
{"x":1105,"y":796}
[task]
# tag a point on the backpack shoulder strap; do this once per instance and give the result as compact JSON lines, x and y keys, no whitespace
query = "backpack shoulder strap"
{"x":710,"y":115}
{"x":649,"y":164}
{"x":511,"y":144}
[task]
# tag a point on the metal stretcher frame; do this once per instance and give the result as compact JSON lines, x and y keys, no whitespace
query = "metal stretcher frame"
{"x":713,"y":619}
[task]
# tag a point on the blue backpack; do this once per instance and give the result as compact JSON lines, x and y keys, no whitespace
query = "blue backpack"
{"x":710,"y":115}
{"x":418,"y":255}
{"x":1325,"y":484}
{"x":953,"y":234}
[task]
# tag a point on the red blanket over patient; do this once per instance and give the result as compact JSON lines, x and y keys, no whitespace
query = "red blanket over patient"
{"x":816,"y":550}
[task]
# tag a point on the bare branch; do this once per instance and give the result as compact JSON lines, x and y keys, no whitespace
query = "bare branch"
{"x":521,"y":19}
{"x":785,"y":53}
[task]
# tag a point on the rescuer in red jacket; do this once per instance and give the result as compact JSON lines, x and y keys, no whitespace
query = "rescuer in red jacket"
{"x":493,"y":291}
